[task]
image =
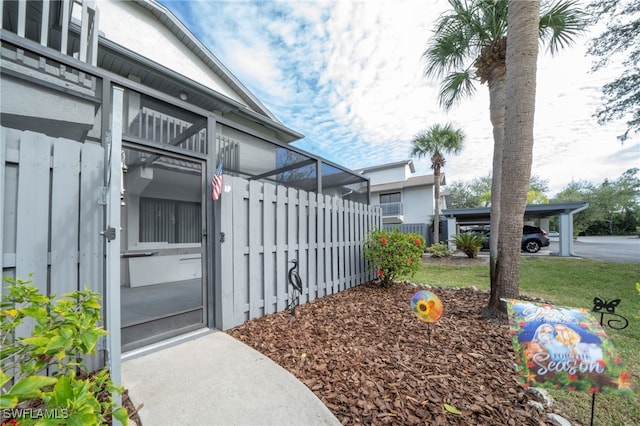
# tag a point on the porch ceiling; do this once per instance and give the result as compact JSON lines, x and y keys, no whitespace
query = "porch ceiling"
{"x":116,"y":59}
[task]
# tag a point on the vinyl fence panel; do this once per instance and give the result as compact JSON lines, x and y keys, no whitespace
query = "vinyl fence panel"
{"x":52,"y":214}
{"x":267,"y":226}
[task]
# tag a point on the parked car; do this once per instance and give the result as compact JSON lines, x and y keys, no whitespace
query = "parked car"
{"x":533,"y":238}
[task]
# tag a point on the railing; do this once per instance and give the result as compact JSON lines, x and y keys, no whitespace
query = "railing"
{"x":68,"y":26}
{"x":391,"y":209}
{"x":158,"y":127}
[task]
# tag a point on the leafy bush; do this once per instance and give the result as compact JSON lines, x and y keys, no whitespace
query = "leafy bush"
{"x":469,"y":244}
{"x":394,"y":254}
{"x":439,"y":250}
{"x":64,"y":331}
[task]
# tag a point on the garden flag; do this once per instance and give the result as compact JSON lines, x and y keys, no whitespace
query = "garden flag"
{"x":216,"y":182}
{"x":565,"y":348}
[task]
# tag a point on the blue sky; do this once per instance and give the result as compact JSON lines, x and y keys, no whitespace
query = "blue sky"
{"x":349,"y":76}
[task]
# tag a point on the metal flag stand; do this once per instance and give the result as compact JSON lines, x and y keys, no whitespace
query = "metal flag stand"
{"x":607,"y":307}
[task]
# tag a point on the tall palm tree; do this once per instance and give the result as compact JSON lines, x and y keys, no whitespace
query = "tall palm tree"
{"x":469,"y":44}
{"x":521,"y":58}
{"x":436,"y":142}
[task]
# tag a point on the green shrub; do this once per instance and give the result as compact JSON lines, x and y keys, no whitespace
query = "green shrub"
{"x":439,"y":250}
{"x":64,"y":331}
{"x":394,"y":254}
{"x":469,"y":244}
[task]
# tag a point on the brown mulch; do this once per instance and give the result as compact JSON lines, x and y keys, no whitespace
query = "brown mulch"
{"x":370,"y":360}
{"x":132,"y":410}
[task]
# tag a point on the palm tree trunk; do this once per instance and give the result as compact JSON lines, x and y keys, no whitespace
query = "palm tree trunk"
{"x":497,"y":105}
{"x":436,"y":205}
{"x":522,"y":55}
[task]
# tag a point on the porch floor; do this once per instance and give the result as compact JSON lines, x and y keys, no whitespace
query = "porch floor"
{"x":142,"y":304}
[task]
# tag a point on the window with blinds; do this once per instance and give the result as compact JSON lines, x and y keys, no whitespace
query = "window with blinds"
{"x":169,"y":221}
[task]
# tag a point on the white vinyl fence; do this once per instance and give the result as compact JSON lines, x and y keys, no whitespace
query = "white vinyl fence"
{"x":52,"y":211}
{"x":266,"y":226}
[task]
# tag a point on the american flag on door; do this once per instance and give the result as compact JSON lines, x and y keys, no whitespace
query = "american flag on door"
{"x":216,"y":182}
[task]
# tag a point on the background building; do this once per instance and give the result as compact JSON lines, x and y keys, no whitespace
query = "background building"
{"x":406,"y":201}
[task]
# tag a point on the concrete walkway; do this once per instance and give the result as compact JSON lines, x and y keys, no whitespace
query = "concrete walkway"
{"x":213,"y":379}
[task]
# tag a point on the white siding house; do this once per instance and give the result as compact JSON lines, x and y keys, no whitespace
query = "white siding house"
{"x":406,"y":201}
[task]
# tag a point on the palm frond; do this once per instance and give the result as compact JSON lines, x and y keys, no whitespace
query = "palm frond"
{"x":561,"y":23}
{"x":492,"y":24}
{"x":455,"y":87}
{"x":450,"y":49}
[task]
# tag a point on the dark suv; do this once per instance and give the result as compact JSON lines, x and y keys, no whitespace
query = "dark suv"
{"x":533,"y":238}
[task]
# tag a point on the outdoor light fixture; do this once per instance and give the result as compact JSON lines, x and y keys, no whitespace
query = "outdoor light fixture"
{"x":183,"y":96}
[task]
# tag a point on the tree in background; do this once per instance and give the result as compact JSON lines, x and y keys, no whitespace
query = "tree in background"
{"x":436,"y":142}
{"x":470,"y":44}
{"x":477,"y":192}
{"x":621,"y":36}
{"x":466,"y":195}
{"x":614,"y":206}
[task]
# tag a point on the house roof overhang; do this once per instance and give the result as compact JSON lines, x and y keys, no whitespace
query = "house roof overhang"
{"x":532,"y":211}
{"x":412,"y":182}
{"x":389,"y":166}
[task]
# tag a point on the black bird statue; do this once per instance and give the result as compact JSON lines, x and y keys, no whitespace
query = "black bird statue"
{"x":296,"y":283}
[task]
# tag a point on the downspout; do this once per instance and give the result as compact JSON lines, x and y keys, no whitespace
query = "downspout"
{"x":571,"y":253}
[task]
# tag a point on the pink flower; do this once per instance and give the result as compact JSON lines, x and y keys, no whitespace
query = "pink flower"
{"x":383,"y":240}
{"x":380,"y":272}
{"x":418,"y":242}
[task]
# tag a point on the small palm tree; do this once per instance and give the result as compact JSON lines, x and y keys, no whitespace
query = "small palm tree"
{"x":436,"y":142}
{"x":469,"y":244}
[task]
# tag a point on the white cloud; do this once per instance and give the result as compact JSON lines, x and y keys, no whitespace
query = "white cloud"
{"x":348,"y":75}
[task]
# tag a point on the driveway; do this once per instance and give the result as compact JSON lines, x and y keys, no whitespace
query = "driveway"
{"x":612,"y":249}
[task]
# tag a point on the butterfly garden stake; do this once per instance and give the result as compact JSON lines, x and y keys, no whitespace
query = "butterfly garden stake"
{"x":607,"y":307}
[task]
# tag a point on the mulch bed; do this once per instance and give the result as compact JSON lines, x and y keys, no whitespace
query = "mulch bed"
{"x":368,"y":358}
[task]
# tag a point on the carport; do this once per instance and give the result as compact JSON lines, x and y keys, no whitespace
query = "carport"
{"x":482,"y":216}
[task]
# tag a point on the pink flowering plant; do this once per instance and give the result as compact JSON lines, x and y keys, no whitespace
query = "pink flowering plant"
{"x":393,"y":254}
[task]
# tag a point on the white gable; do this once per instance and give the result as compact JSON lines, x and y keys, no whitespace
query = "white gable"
{"x":137,"y":29}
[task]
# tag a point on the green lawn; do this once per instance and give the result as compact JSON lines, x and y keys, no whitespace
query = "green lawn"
{"x":570,"y":282}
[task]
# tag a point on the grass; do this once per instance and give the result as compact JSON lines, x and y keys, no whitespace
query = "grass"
{"x":571,"y":282}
